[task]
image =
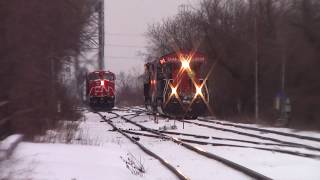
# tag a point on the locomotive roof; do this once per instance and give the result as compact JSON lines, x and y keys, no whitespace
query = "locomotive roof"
{"x":100,"y":71}
{"x":173,"y":57}
{"x":175,"y":54}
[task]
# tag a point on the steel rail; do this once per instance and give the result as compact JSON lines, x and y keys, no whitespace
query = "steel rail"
{"x":224,"y":139}
{"x":262,"y":130}
{"x":295,"y":153}
{"x":238,"y":167}
{"x":230,"y":139}
{"x":285,"y":143}
{"x":253,"y":135}
{"x":143,"y":148}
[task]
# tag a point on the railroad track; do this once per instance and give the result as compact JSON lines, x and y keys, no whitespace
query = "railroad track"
{"x":156,"y":134}
{"x":278,"y":143}
{"x":183,"y":140}
{"x":143,"y":148}
{"x":261,"y":130}
{"x":293,"y":144}
{"x":295,"y":153}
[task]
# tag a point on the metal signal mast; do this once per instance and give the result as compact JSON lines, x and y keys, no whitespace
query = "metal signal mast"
{"x":91,"y":54}
{"x":93,"y":37}
{"x":100,"y":10}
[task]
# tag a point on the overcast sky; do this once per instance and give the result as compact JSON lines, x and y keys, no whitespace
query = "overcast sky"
{"x":126,"y":23}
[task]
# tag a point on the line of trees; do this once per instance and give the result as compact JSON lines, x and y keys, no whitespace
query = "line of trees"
{"x":38,"y":37}
{"x":129,"y":88}
{"x":283,"y":35}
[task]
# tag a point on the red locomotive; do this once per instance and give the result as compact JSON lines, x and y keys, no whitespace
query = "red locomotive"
{"x":174,"y":84}
{"x":101,"y":89}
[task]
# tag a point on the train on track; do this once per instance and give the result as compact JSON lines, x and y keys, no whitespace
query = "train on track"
{"x":175,"y":85}
{"x":100,"y":89}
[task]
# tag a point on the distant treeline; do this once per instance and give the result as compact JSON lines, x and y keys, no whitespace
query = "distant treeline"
{"x":129,"y":88}
{"x":283,"y":35}
{"x":36,"y":38}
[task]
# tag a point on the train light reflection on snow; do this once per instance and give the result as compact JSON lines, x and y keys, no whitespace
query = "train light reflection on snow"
{"x":199,"y":149}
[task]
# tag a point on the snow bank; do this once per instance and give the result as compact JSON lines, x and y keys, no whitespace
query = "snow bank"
{"x":8,"y":145}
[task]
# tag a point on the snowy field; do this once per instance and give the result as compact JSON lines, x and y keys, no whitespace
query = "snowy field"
{"x":102,"y":155}
{"x":97,"y":152}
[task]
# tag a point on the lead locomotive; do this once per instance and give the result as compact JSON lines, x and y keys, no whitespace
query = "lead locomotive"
{"x":174,"y":85}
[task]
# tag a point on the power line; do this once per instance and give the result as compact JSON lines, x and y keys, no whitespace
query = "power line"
{"x":122,"y":45}
{"x":125,"y":34}
{"x":122,"y":57}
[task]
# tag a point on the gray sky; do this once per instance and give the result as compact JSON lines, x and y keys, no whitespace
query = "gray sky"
{"x":126,"y":23}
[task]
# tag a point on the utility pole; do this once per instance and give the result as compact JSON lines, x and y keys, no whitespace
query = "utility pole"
{"x":101,"y":34}
{"x":283,"y":70}
{"x":254,"y":11}
{"x":284,"y":105}
{"x":256,"y":70}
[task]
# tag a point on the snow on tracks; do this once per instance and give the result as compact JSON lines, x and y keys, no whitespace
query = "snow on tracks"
{"x":237,"y":168}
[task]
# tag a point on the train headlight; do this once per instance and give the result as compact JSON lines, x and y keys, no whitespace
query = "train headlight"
{"x":174,"y":91}
{"x":185,"y":64}
{"x":102,"y":83}
{"x":198,"y":91}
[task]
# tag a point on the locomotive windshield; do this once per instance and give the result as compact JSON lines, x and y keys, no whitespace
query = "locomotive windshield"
{"x":93,"y":76}
{"x":108,"y":76}
{"x":101,"y":75}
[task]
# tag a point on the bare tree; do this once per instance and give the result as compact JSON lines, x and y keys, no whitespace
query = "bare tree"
{"x":37,"y":39}
{"x":282,"y":35}
{"x":129,"y":88}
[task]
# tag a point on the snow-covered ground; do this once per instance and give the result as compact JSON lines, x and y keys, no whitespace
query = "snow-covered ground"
{"x":97,"y":152}
{"x":272,"y":164}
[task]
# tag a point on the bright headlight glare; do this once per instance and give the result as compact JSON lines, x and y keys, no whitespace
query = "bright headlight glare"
{"x":198,"y":90}
{"x":185,"y":64}
{"x":173,"y":91}
{"x":102,"y":83}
